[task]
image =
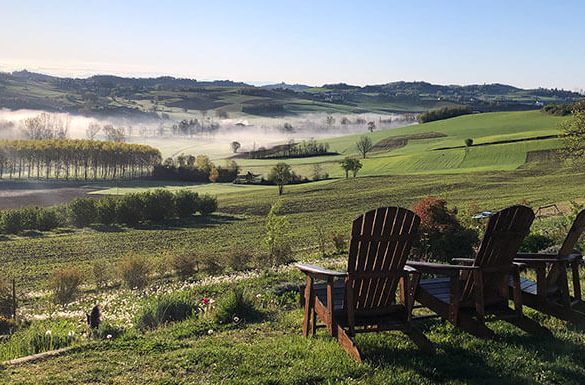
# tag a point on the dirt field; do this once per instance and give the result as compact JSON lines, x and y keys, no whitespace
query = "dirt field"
{"x":22,"y":194}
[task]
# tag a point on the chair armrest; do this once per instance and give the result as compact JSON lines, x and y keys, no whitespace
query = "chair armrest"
{"x":439,"y":268}
{"x":319,"y":272}
{"x":409,"y":269}
{"x":463,"y":261}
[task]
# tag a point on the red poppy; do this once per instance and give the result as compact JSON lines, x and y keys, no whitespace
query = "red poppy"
{"x":205,"y":300}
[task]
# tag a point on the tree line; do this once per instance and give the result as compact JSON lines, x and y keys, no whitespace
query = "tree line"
{"x":198,"y":168}
{"x":444,"y":113}
{"x":75,"y":159}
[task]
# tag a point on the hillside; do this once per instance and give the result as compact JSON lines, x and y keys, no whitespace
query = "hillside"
{"x":165,"y":97}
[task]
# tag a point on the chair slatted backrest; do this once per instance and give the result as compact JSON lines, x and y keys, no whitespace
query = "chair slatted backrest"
{"x":380,"y":244}
{"x":503,"y":236}
{"x":574,"y":234}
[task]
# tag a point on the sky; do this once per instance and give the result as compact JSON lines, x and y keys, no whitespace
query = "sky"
{"x":519,"y":42}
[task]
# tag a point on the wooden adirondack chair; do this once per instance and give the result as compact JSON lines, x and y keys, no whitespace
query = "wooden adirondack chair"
{"x":365,"y":300}
{"x":477,"y":287}
{"x":550,"y":292}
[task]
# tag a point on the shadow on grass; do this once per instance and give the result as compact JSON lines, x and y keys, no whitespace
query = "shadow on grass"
{"x":468,"y":364}
{"x":189,"y":223}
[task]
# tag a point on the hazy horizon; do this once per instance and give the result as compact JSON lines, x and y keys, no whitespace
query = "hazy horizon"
{"x":524,"y":44}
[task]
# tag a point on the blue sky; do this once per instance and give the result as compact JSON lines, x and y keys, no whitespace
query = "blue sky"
{"x":524,"y":43}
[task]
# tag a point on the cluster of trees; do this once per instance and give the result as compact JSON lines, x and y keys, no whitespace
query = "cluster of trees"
{"x":46,"y":126}
{"x":194,"y":127}
{"x":282,"y":174}
{"x":573,"y":134}
{"x":129,"y":209}
{"x":349,"y":164}
{"x":195,"y":169}
{"x":292,"y":149}
{"x":444,"y":113}
{"x":77,"y":159}
{"x":558,"y":109}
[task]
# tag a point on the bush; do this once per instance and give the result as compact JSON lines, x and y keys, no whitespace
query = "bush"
{"x":107,"y":210}
{"x":11,"y":221}
{"x":186,"y":203}
{"x":207,"y":204}
{"x":277,"y":239}
{"x":442,"y":236}
{"x":211,"y":264}
{"x":184,"y":265}
{"x":134,"y":271}
{"x":49,"y":219}
{"x":339,"y":243}
{"x":534,"y":243}
{"x":172,"y":307}
{"x":64,"y":283}
{"x":158,"y":205}
{"x":130,"y":209}
{"x":236,"y":306}
{"x":5,"y":299}
{"x":82,"y":212}
{"x":238,"y":260}
{"x":101,"y":274}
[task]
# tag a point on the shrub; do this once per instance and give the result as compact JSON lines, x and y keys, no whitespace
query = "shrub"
{"x":134,"y":271}
{"x":235,"y":306}
{"x":82,"y":211}
{"x":172,"y":307}
{"x":64,"y":283}
{"x":211,"y":264}
{"x":107,"y":330}
{"x":107,"y":210}
{"x":49,"y":219}
{"x":11,"y":221}
{"x":130,"y":209}
{"x":101,"y":274}
{"x":5,"y":299}
{"x":277,"y":239}
{"x":339,"y":243}
{"x":184,"y":265}
{"x":207,"y":204}
{"x":186,"y":203}
{"x":238,"y":259}
{"x":534,"y":243}
{"x":158,"y":205}
{"x":442,"y":236}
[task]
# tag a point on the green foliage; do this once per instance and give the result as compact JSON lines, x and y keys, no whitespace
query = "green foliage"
{"x":280,"y":175}
{"x":339,"y":243}
{"x":364,"y":145}
{"x":130,"y":209}
{"x":277,"y":239}
{"x":442,"y":236}
{"x":534,"y":243}
{"x":30,"y":218}
{"x":65,"y":283}
{"x":573,"y":134}
{"x":157,"y":205}
{"x":5,"y":299}
{"x":351,"y":164}
{"x":207,"y":204}
{"x":82,"y":211}
{"x":186,"y":203}
{"x":107,"y":210}
{"x":558,"y":109}
{"x":468,"y":142}
{"x":236,"y":306}
{"x":177,"y":306}
{"x":444,"y":113}
{"x":135,"y":271}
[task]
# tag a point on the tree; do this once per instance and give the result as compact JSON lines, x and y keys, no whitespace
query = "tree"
{"x":114,"y":134}
{"x":573,"y":134}
{"x":468,"y":142}
{"x":92,"y":130}
{"x":350,"y":164}
{"x":213,"y":175}
{"x":364,"y":145}
{"x":371,"y":126}
{"x":287,"y":127}
{"x":281,"y":175}
{"x":330,"y":120}
{"x":235,"y":146}
{"x":345,"y":121}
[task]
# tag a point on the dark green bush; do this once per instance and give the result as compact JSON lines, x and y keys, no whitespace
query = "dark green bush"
{"x":49,"y":219}
{"x":207,"y":204}
{"x":172,"y":307}
{"x":11,"y":221}
{"x":82,"y":212}
{"x":107,"y":210}
{"x":534,"y":243}
{"x":158,"y":205}
{"x":235,"y":306}
{"x":130,"y":209}
{"x":186,"y":203}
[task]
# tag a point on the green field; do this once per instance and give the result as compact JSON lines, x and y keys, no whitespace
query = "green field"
{"x":271,"y":351}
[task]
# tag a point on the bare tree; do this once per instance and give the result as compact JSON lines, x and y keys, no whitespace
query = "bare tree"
{"x":114,"y":134}
{"x":364,"y":145}
{"x":92,"y":130}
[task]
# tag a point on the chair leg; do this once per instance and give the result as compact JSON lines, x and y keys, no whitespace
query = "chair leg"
{"x":348,"y":344}
{"x":309,"y":308}
{"x":474,"y":327}
{"x":420,"y":340}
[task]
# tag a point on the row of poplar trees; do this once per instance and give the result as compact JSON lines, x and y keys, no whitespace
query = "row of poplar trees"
{"x":75,"y":159}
